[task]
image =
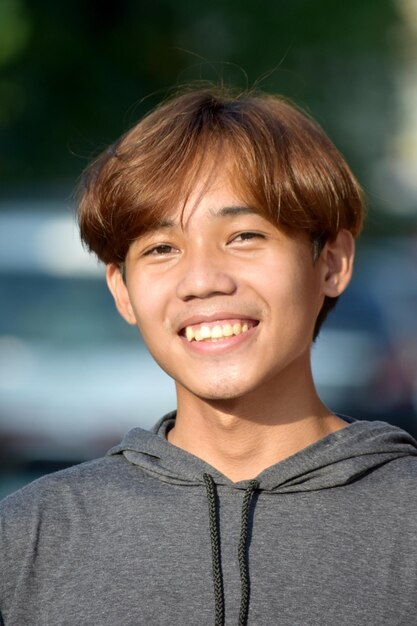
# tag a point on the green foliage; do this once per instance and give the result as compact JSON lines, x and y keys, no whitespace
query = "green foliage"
{"x":74,"y":75}
{"x":14,"y":29}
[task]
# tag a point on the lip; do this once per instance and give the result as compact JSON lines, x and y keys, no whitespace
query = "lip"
{"x":222,"y":345}
{"x":219,"y":316}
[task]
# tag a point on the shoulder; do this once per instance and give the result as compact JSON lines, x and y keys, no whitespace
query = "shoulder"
{"x":391,"y":491}
{"x":53,"y":494}
{"x":401,"y":475}
{"x":62,"y":507}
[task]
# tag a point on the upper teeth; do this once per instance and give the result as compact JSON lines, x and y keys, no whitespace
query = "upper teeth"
{"x":215,"y":332}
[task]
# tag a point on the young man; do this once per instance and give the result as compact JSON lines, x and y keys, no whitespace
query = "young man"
{"x":227,"y":225}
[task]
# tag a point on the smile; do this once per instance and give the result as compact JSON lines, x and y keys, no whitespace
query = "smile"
{"x":214,"y":331}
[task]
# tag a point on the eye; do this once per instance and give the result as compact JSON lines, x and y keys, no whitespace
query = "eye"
{"x":160,"y":250}
{"x":247,"y":235}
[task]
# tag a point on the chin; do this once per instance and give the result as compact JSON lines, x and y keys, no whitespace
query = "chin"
{"x":222,"y":390}
{"x":221,"y":395}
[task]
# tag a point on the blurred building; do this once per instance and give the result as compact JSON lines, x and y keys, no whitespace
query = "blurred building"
{"x":74,"y":377}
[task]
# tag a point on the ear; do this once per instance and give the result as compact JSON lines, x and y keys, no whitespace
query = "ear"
{"x":119,"y":291}
{"x":337,"y":257}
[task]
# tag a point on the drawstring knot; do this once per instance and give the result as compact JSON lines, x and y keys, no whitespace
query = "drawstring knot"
{"x":243,"y":551}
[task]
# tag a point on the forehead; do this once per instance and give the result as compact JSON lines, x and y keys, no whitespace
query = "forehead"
{"x":215,"y":196}
{"x":213,"y":214}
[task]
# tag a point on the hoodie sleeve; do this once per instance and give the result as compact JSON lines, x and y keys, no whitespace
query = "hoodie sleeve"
{"x":18,"y":514}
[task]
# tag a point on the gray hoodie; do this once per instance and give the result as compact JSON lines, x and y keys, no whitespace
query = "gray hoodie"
{"x":152,"y":535}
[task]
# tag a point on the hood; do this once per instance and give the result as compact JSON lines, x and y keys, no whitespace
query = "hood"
{"x":337,"y":459}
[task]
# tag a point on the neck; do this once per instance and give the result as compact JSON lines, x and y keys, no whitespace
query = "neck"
{"x":242,"y":437}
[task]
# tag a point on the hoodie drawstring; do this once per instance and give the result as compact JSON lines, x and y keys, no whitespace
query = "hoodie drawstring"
{"x":215,"y":549}
{"x":243,"y":551}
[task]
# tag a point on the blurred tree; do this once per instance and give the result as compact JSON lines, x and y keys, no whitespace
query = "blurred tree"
{"x":14,"y":29}
{"x":74,"y":74}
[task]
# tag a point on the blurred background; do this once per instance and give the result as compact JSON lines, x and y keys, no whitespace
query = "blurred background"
{"x":73,"y":76}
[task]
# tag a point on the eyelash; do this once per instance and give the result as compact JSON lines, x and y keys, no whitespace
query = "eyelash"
{"x":159,"y":250}
{"x":162,"y":249}
{"x":247,"y":235}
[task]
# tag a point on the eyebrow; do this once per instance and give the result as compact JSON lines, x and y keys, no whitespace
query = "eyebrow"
{"x":227,"y":211}
{"x":232,"y":211}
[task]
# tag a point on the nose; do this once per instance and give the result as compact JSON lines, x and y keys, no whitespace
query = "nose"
{"x":204,"y":275}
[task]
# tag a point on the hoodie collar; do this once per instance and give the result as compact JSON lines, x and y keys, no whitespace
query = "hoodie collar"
{"x":337,"y":459}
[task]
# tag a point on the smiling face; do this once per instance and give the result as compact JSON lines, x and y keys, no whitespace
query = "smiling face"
{"x":225,"y":301}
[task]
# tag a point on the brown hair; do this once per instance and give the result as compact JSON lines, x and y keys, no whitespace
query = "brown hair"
{"x":279,"y":159}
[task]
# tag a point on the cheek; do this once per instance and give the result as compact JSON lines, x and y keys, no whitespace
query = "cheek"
{"x":148,"y":306}
{"x":294,"y":297}
{"x":288,"y":282}
{"x":151,"y":307}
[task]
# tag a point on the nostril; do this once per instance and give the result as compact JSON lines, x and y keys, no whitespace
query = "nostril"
{"x":205,"y":284}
